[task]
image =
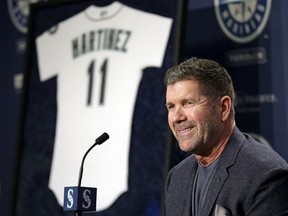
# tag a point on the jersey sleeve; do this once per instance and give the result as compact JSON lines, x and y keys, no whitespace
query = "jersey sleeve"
{"x":153,"y":33}
{"x":159,"y":33}
{"x":49,"y":54}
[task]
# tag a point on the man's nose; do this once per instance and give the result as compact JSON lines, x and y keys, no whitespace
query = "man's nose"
{"x":179,"y":115}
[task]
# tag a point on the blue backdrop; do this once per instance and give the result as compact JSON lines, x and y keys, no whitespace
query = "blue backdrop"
{"x":258,"y":66}
{"x":12,"y":43}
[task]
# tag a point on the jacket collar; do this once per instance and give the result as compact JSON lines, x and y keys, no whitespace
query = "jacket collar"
{"x":228,"y":158}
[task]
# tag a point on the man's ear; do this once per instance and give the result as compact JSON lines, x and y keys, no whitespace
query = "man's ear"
{"x":226,"y":106}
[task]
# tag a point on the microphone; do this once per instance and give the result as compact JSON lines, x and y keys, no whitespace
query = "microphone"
{"x":79,"y":198}
{"x":101,"y":139}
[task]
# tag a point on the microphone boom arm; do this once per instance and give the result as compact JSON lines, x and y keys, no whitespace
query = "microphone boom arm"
{"x":98,"y":141}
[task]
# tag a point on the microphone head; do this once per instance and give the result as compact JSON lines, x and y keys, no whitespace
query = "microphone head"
{"x":101,"y":139}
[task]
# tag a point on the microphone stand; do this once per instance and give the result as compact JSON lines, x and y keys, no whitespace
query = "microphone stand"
{"x":98,"y":141}
{"x":79,"y":213}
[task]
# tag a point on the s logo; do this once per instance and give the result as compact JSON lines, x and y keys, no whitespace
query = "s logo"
{"x":70,"y":201}
{"x":87,"y":200}
{"x":242,"y":20}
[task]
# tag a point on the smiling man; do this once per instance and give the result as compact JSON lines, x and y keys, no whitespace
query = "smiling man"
{"x":228,"y":172}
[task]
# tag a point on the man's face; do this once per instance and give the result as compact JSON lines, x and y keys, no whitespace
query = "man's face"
{"x":192,"y":117}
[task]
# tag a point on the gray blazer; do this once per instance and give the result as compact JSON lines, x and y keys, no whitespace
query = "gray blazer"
{"x":251,"y":179}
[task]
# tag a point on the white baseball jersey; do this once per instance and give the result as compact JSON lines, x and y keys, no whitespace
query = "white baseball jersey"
{"x":98,"y":56}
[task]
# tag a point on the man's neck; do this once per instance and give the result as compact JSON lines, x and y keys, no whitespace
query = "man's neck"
{"x":217,"y":150}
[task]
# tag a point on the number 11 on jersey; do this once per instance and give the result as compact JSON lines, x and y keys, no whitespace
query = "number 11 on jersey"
{"x":103,"y":73}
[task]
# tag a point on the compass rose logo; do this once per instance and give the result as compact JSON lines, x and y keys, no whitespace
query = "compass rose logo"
{"x":242,"y":20}
{"x":19,"y":13}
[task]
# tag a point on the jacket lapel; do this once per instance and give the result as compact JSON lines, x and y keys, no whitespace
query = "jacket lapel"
{"x":188,"y":198}
{"x":227,"y":159}
{"x":214,"y":189}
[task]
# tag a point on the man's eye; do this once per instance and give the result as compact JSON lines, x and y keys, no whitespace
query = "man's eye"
{"x":188,"y":103}
{"x":170,"y":107}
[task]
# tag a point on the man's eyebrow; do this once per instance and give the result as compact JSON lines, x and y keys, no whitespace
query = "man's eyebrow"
{"x":168,"y":103}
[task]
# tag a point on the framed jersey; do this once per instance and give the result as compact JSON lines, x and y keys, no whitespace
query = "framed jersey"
{"x":94,"y":67}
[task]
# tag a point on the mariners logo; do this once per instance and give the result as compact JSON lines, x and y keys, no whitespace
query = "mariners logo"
{"x":70,"y":200}
{"x":87,"y":200}
{"x":242,"y":20}
{"x":19,"y":12}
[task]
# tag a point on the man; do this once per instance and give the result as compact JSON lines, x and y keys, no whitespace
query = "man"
{"x":228,"y":172}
